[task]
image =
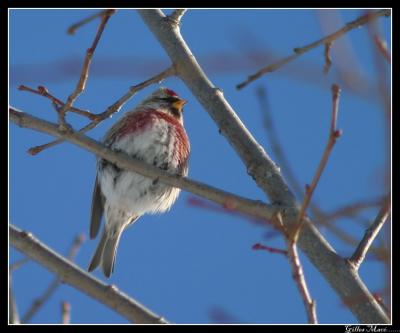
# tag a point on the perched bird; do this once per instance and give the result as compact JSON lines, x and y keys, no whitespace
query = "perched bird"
{"x":152,"y":132}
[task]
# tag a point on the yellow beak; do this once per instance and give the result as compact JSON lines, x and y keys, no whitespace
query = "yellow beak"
{"x":179,"y":104}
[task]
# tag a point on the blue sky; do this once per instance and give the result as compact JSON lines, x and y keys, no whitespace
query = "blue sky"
{"x":189,"y":263}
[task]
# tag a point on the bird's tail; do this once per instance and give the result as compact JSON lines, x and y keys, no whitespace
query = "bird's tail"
{"x":106,"y":250}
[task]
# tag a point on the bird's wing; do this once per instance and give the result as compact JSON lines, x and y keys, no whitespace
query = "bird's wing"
{"x":97,"y":210}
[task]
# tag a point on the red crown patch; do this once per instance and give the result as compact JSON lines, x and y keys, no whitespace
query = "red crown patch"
{"x":170,"y":92}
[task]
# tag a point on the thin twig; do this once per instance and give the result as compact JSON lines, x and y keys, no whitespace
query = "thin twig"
{"x":39,"y":301}
{"x":379,"y":252}
{"x":12,"y":305}
{"x":382,"y":47}
{"x":328,"y":39}
{"x":65,"y":313}
{"x":334,"y":134}
{"x":77,"y":277}
{"x":43,"y":91}
{"x":18,"y":264}
{"x":361,"y":251}
{"x":298,"y":276}
{"x":381,"y":74}
{"x":385,"y":93}
{"x":347,"y":66}
{"x":115,"y":107}
{"x":352,"y":209}
{"x":270,"y":249}
{"x":328,"y":58}
{"x":85,"y":70}
{"x":72,"y":29}
{"x":176,"y":15}
{"x":326,"y":220}
{"x":297,"y":271}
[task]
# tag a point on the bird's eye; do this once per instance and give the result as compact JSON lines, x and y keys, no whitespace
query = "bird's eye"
{"x":168,"y":99}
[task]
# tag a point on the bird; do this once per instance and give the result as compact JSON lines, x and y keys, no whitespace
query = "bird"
{"x":152,"y":132}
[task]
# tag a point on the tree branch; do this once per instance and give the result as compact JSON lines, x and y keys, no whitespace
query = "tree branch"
{"x":260,"y":166}
{"x":298,"y":51}
{"x":235,"y":202}
{"x":361,"y":251}
{"x":39,"y":301}
{"x":81,"y":280}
